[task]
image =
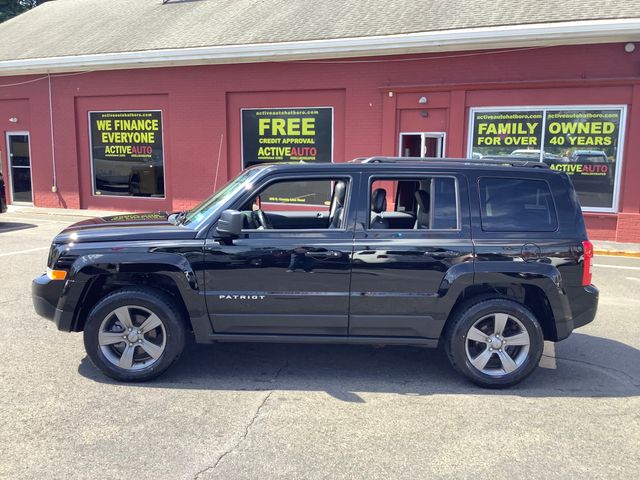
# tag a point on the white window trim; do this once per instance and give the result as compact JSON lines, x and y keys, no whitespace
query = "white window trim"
{"x":442,"y":136}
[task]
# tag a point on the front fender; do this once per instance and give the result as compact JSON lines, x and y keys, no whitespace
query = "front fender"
{"x":90,"y":268}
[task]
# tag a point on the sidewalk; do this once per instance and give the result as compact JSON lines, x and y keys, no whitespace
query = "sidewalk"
{"x":69,"y":212}
{"x":600,"y":247}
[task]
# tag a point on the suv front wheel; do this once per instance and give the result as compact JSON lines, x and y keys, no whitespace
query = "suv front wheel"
{"x":495,"y":343}
{"x":134,"y":334}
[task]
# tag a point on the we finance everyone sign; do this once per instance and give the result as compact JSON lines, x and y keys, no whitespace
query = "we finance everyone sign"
{"x":135,"y":135}
{"x":275,"y":135}
{"x":127,"y":155}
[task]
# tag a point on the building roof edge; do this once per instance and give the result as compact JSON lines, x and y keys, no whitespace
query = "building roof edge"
{"x":483,"y":38}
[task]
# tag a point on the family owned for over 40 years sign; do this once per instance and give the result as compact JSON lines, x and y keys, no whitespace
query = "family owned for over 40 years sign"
{"x":581,"y":142}
{"x":274,"y":135}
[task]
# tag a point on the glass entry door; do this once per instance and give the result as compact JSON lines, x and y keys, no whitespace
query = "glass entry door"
{"x":422,"y":144}
{"x":19,"y":155}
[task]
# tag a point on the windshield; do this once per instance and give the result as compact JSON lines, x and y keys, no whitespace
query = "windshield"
{"x":194,"y":218}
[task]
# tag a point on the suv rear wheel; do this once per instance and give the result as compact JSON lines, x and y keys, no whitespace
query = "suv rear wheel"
{"x":134,"y":334}
{"x":495,"y":343}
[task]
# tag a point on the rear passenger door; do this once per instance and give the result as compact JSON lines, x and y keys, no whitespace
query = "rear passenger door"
{"x":404,"y":248}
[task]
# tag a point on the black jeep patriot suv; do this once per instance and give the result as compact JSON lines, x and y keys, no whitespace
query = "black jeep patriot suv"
{"x":486,"y":258}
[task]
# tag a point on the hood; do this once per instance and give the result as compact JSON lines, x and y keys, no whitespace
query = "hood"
{"x":135,"y":226}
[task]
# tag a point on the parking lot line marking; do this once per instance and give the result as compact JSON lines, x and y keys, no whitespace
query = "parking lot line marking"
{"x":633,"y":278}
{"x":621,"y":267}
{"x":7,"y":254}
{"x":548,"y":359}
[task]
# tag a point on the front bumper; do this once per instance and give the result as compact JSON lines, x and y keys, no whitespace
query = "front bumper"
{"x":46,"y":294}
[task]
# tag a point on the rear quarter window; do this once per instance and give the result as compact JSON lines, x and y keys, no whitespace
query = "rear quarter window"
{"x":516,"y":205}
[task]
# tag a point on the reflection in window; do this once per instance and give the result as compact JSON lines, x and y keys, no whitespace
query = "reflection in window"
{"x":129,"y":178}
{"x":516,"y":205}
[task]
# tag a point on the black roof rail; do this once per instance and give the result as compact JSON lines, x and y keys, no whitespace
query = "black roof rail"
{"x":488,"y":160}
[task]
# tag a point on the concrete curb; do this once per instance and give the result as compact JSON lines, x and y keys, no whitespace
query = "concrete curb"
{"x":616,"y":253}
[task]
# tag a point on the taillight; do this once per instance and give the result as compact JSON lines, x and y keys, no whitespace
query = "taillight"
{"x":587,"y":262}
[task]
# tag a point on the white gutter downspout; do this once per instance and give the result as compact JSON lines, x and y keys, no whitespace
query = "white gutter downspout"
{"x":54,"y":186}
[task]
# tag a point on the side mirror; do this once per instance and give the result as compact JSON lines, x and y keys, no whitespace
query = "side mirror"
{"x":229,"y":224}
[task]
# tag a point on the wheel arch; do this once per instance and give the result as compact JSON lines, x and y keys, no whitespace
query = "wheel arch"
{"x":531,"y":296}
{"x":92,"y":279}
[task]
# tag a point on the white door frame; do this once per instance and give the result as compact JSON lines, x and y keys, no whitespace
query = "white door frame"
{"x":440,"y":136}
{"x":10,"y":166}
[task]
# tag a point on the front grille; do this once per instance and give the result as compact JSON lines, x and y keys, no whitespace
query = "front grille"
{"x":65,"y":262}
{"x":54,"y":253}
{"x":58,"y":259}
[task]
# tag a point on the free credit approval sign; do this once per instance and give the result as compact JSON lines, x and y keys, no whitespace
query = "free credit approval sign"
{"x":274,"y":135}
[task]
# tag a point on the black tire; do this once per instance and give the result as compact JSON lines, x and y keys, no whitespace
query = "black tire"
{"x":457,"y":345}
{"x":138,"y":301}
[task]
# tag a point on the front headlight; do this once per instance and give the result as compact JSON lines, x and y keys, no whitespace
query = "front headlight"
{"x":56,"y":274}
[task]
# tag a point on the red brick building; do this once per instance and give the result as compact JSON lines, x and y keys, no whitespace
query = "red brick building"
{"x":149,"y":105}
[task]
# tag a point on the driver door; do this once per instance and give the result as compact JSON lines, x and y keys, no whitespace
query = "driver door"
{"x":292,"y":274}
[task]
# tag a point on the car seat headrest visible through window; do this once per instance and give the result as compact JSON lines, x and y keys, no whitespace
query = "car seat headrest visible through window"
{"x":379,"y":200}
{"x":424,"y":205}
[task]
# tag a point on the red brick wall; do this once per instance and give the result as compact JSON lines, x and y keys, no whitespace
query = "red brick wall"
{"x":201,"y":113}
{"x":628,"y":228}
{"x":601,"y":227}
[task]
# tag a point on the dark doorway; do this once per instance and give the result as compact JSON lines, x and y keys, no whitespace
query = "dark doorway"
{"x":19,"y":167}
{"x":422,"y":144}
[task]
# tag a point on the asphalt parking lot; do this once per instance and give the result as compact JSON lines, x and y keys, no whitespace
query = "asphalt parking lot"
{"x":311,"y":411}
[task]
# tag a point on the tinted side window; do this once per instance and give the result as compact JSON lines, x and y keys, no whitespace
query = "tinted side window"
{"x":300,"y":192}
{"x":422,"y":203}
{"x":516,"y":205}
{"x":298,"y":204}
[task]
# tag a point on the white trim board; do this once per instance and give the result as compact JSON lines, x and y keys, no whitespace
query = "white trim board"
{"x":506,"y":36}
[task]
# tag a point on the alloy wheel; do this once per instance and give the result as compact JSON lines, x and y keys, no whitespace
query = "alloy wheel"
{"x":132,"y":337}
{"x":497,"y":344}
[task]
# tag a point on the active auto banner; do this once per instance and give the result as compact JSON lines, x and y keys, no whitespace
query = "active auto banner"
{"x":273,"y":135}
{"x":584,"y":143}
{"x":127,"y":153}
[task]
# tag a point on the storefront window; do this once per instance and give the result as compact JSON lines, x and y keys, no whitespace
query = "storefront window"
{"x":127,"y":153}
{"x":582,"y":142}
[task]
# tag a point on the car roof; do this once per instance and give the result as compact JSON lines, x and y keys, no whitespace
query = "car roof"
{"x":589,"y":152}
{"x":411,"y":163}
